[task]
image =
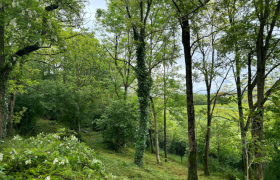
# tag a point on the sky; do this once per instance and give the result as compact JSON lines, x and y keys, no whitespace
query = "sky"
{"x":95,"y":4}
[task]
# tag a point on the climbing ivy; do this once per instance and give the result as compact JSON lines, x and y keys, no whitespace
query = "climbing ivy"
{"x":143,"y":92}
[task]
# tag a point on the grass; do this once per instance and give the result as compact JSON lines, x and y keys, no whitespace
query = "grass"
{"x":120,"y":165}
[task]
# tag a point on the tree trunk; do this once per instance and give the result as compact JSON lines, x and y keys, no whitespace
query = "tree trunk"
{"x":245,"y":148}
{"x":143,"y":92}
{"x":164,"y":116}
{"x":156,"y":130}
{"x":207,"y":138}
{"x":151,"y":141}
{"x":192,"y":156}
{"x":3,"y":73}
{"x":257,"y":119}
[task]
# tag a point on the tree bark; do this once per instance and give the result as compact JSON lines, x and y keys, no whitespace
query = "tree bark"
{"x":207,"y":137}
{"x":192,"y":155}
{"x":156,"y":130}
{"x":245,"y":147}
{"x":164,"y":115}
{"x":151,"y":140}
{"x":3,"y":72}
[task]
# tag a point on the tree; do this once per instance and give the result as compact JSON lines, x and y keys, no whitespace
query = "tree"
{"x":256,"y":48}
{"x":27,"y":26}
{"x":211,"y":67}
{"x":118,"y":42}
{"x":184,"y":13}
{"x":141,"y":30}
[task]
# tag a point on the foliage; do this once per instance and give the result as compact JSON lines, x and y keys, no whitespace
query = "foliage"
{"x":49,"y":155}
{"x":199,"y":99}
{"x":31,"y":101}
{"x":119,"y":124}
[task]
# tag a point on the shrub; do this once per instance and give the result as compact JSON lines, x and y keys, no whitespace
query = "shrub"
{"x":47,"y":155}
{"x":119,"y":124}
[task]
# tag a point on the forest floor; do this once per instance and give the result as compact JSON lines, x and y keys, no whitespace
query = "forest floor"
{"x":121,"y":166}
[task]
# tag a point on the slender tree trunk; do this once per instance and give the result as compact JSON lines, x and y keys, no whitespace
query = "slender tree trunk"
{"x":156,"y":130}
{"x":192,"y":156}
{"x":245,"y":148}
{"x":245,"y":153}
{"x":207,"y":138}
{"x":151,"y":140}
{"x":164,"y":115}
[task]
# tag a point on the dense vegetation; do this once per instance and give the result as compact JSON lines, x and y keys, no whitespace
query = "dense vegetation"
{"x":66,"y":90}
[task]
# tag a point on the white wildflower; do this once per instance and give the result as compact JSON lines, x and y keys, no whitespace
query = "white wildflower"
{"x":48,"y":178}
{"x":66,"y":160}
{"x":17,"y":137}
{"x":1,"y":157}
{"x":65,"y":47}
{"x":55,"y":38}
{"x":23,"y":12}
{"x":13,"y":157}
{"x":56,"y":136}
{"x":61,"y":144}
{"x":73,"y":138}
{"x":55,"y":160}
{"x":17,"y":3}
{"x":29,"y":25}
{"x":13,"y":22}
{"x":14,"y":58}
{"x":28,"y":161}
{"x":30,"y":14}
{"x":14,"y":4}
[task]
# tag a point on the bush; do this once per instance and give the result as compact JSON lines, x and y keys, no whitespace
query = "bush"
{"x":119,"y":124}
{"x":49,"y":156}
